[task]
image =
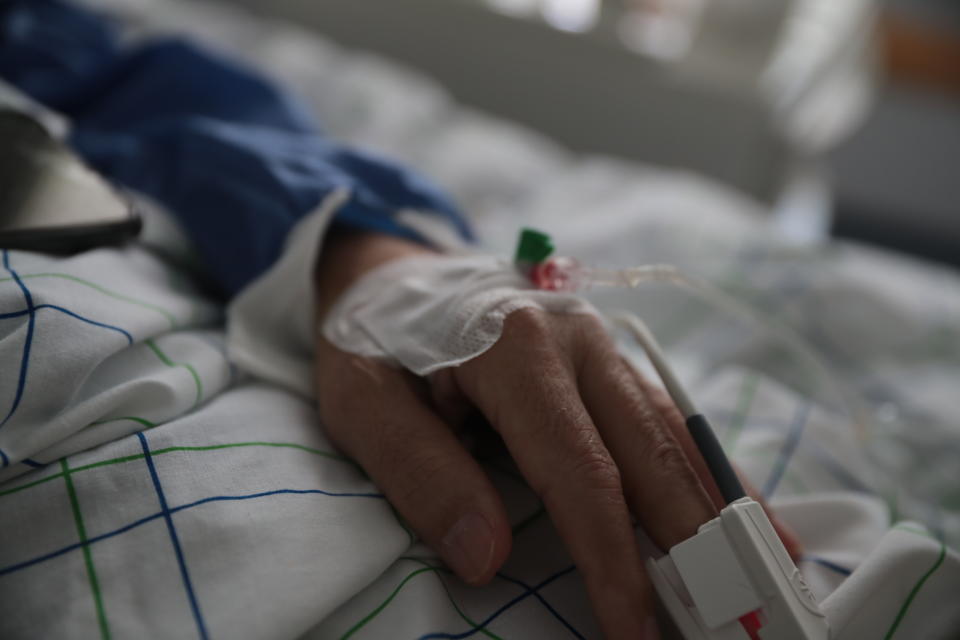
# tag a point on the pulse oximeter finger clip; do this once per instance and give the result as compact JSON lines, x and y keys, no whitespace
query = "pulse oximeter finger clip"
{"x":732,"y":580}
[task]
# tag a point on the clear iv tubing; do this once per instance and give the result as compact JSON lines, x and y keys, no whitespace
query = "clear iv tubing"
{"x":567,"y":274}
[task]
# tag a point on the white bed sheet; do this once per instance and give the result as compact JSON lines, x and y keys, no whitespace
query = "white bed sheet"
{"x":232,"y":516}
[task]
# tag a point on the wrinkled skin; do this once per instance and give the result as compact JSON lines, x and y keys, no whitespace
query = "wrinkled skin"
{"x":599,"y":444}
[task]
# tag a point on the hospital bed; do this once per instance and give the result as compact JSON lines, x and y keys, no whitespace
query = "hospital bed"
{"x":162,"y":490}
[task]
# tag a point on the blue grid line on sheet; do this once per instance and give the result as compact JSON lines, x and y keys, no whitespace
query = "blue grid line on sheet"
{"x":549,"y":607}
{"x":165,"y":450}
{"x":14,"y":314}
{"x":823,"y":562}
{"x":31,"y":312}
{"x":30,"y":330}
{"x":23,"y":312}
{"x":87,"y":320}
{"x":27,"y":342}
{"x":479,"y":627}
{"x":277,"y":492}
{"x":496,"y":614}
{"x":835,"y":468}
{"x":174,"y":538}
{"x":142,"y":521}
{"x":800,"y":419}
{"x":170,"y":318}
{"x":13,"y":568}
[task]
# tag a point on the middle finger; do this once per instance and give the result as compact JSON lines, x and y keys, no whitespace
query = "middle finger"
{"x":660,"y":482}
{"x":538,"y":411}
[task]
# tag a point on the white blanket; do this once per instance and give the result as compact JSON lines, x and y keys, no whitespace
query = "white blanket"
{"x":185,"y":488}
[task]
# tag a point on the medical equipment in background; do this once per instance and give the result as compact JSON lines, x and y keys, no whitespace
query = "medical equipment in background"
{"x":732,"y":580}
{"x":49,"y":200}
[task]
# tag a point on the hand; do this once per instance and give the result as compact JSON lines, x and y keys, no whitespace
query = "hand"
{"x":593,"y":439}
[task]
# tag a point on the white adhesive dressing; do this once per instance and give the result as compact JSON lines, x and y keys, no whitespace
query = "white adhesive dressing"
{"x":432,"y":312}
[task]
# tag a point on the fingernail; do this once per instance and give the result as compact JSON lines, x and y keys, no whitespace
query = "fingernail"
{"x":468,"y":546}
{"x":650,"y":629}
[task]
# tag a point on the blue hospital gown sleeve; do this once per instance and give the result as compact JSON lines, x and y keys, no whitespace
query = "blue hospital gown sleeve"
{"x":236,"y":159}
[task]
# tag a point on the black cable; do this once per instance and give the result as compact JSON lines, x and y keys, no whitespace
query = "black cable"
{"x":717,"y":461}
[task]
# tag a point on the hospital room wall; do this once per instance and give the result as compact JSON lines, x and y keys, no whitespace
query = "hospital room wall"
{"x":897,"y":180}
{"x":893,"y":183}
{"x":582,"y":90}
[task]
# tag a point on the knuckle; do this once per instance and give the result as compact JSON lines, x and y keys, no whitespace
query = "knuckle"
{"x":592,"y":346}
{"x":653,"y":428}
{"x":555,"y":423}
{"x":528,"y":324}
{"x":594,"y":473}
{"x":664,"y":455}
{"x":591,"y":327}
{"x":597,"y":471}
{"x":595,"y":338}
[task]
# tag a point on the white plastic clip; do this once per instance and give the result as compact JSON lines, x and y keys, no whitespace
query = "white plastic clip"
{"x":734,"y":580}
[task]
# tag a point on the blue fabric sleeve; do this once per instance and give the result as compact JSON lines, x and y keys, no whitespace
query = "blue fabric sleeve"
{"x":237,"y":160}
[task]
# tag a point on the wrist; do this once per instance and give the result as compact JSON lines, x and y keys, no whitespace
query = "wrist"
{"x":349,"y":254}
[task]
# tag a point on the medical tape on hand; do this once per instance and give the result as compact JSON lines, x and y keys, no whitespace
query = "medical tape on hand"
{"x":431,"y":312}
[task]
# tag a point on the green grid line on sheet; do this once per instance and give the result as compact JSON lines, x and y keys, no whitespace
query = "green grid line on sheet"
{"x":67,"y":472}
{"x":87,"y":553}
{"x":748,"y":390}
{"x":919,"y":531}
{"x":140,"y":456}
{"x":444,"y":570}
{"x":901,"y":614}
{"x":533,"y":517}
{"x":892,"y":500}
{"x":790,"y":477}
{"x":427,"y":568}
{"x":146,"y":424}
{"x":113,"y":294}
{"x":517,"y":528}
{"x":184,"y":365}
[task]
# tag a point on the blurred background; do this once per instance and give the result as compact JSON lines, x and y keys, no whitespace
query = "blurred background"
{"x":842,"y":116}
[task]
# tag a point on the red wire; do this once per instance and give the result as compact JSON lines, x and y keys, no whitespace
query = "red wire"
{"x":752,"y":623}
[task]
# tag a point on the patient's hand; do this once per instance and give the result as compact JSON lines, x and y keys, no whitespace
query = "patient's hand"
{"x":594,"y":440}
